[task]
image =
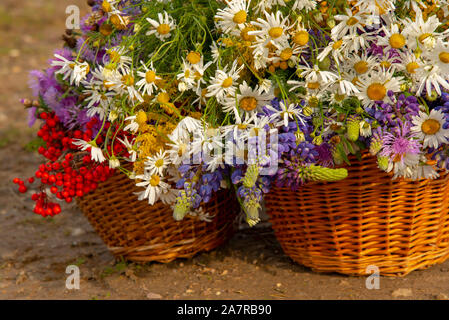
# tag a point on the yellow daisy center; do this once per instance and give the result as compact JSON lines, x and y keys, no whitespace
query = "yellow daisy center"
{"x":155,"y":180}
{"x":275,"y":32}
{"x":339,"y":97}
{"x":194,"y":57}
{"x":397,"y":41}
{"x":248,"y":103}
{"x":444,"y":57}
{"x":423,"y":37}
{"x":412,"y":66}
{"x":352,"y":21}
{"x":361,"y":67}
{"x":163,"y":29}
{"x":313,"y":85}
{"x":150,"y":76}
{"x":430,"y":126}
{"x":376,"y":91}
{"x":106,"y":6}
{"x":227,"y":83}
{"x":337,"y":44}
{"x":286,"y":54}
{"x":301,"y":38}
{"x":159,"y":163}
{"x":141,"y":118}
{"x":115,"y":56}
{"x":163,"y":97}
{"x":385,"y":64}
{"x":240,"y":17}
{"x":128,"y":80}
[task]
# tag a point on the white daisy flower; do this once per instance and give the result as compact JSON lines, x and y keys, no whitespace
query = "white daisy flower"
{"x":375,"y":86}
{"x":393,"y":38}
{"x":350,"y":24}
{"x":163,"y":27}
{"x":429,"y":128}
{"x":130,"y":147}
{"x":439,"y":56}
{"x":95,"y":152}
{"x":249,"y":100}
{"x":421,"y":33}
{"x":154,"y":187}
{"x":158,"y":163}
{"x":124,"y":84}
{"x":132,"y":126}
{"x":272,"y":30}
{"x":147,"y":85}
{"x":224,"y":82}
{"x":286,"y":113}
{"x":233,"y":18}
{"x":118,"y":60}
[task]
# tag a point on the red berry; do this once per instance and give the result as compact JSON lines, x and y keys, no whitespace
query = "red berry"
{"x":22,"y":189}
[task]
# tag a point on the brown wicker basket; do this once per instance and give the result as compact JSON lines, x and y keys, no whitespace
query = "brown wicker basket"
{"x":367,"y":219}
{"x":138,"y":232}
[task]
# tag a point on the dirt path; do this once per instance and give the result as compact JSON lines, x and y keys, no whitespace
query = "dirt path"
{"x":34,"y":252}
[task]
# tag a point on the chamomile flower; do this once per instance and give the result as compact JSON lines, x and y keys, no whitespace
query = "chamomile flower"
{"x":361,"y":64}
{"x":233,"y":18}
{"x":132,"y":126}
{"x":375,"y":86}
{"x":147,"y":83}
{"x":248,"y":100}
{"x":162,"y":27}
{"x":116,"y":59}
{"x":393,"y":38}
{"x":429,"y":78}
{"x":75,"y":71}
{"x":429,"y":129}
{"x":285,"y":114}
{"x":439,"y":56}
{"x":271,"y":30}
{"x":130,"y":147}
{"x":315,"y":74}
{"x":306,"y":5}
{"x":95,"y":152}
{"x":336,"y":48}
{"x":158,"y":163}
{"x":154,"y":187}
{"x":224,"y":82}
{"x":284,"y":52}
{"x":350,"y":24}
{"x":420,"y":33}
{"x":376,"y":7}
{"x":125,"y":84}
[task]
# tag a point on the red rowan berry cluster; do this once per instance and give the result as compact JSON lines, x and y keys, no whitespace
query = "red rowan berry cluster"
{"x":69,"y":173}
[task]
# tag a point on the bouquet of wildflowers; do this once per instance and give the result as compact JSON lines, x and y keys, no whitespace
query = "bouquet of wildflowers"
{"x":189,"y":97}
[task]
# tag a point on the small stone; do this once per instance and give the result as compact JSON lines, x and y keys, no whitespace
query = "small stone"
{"x":402,"y":293}
{"x":76,"y":232}
{"x":344,"y":283}
{"x":181,"y":264}
{"x":218,"y":293}
{"x":278,"y":285}
{"x":21,"y":277}
{"x":442,"y":296}
{"x":188,"y":291}
{"x":225,"y":272}
{"x":154,"y":296}
{"x":14,"y":53}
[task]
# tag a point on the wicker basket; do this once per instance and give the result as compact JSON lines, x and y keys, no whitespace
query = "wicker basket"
{"x":138,"y":232}
{"x":367,"y":219}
